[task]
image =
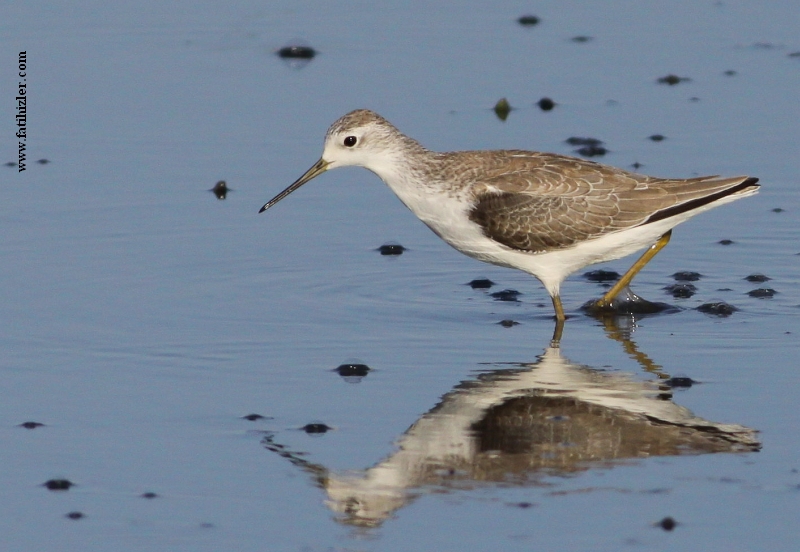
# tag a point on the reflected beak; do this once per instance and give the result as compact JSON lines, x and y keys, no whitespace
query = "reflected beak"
{"x":319,"y":167}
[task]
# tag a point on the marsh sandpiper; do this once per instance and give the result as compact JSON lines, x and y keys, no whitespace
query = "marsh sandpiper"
{"x":546,"y":214}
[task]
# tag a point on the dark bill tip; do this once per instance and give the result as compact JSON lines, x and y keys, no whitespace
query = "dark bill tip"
{"x":318,"y":168}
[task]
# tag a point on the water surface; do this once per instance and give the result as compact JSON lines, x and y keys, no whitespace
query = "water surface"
{"x":142,"y":317}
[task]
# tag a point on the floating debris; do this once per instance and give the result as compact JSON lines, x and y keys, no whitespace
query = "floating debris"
{"x":220,"y":189}
{"x":726,"y":242}
{"x":682,"y":382}
{"x":75,"y":515}
{"x":508,"y":323}
{"x":502,"y":108}
{"x":149,"y":495}
{"x":11,"y":164}
{"x":254,"y":417}
{"x":626,"y":302}
{"x":667,"y":524}
{"x":757,"y":278}
{"x":686,"y":276}
{"x":657,"y":137}
{"x":31,"y":425}
{"x":58,"y":484}
{"x":352,"y":372}
{"x":481,"y":283}
{"x":762,"y":293}
{"x":681,"y":291}
{"x":794,"y":55}
{"x":316,"y":428}
{"x":778,"y":210}
{"x":636,"y":165}
{"x":297,"y":52}
{"x":43,"y":161}
{"x":720,"y":308}
{"x":591,"y":151}
{"x":672,"y":80}
{"x":592,"y":147}
{"x":582,"y":39}
{"x":528,"y":20}
{"x":581,"y":141}
{"x":729,"y":73}
{"x":546,"y":104}
{"x":391,"y":249}
{"x":510,"y":295}
{"x":297,"y":56}
{"x":601,"y":275}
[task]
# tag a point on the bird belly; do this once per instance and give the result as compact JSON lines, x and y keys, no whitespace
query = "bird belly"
{"x":551,"y":267}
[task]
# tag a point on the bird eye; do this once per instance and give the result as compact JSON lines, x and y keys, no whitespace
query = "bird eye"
{"x":350,"y":141}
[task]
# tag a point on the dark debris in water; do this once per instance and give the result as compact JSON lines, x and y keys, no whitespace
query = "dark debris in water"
{"x":391,"y":249}
{"x":726,"y":242}
{"x":718,"y":308}
{"x":528,"y":20}
{"x":506,"y":295}
{"x":757,"y":278}
{"x":590,"y":147}
{"x":667,"y":524}
{"x":681,"y":291}
{"x":220,"y":189}
{"x":254,"y":417}
{"x":601,"y":275}
{"x":627,"y":303}
{"x":297,"y":52}
{"x":730,"y":73}
{"x":672,"y":80}
{"x":316,"y":428}
{"x":582,"y":39}
{"x":75,"y":515}
{"x":149,"y":495}
{"x":762,"y":293}
{"x":508,"y":323}
{"x":778,"y":210}
{"x":583,"y":141}
{"x":657,"y":137}
{"x":686,"y":276}
{"x":481,"y":283}
{"x":546,"y":104}
{"x":58,"y":484}
{"x":682,"y":382}
{"x":352,"y":372}
{"x":502,"y":108}
{"x":31,"y":425}
{"x":591,"y":151}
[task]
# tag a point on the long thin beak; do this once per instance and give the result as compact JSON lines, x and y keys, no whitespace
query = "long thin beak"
{"x":319,"y":167}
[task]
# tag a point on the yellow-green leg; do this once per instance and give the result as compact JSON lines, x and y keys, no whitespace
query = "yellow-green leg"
{"x":605,"y":302}
{"x":560,"y":317}
{"x":559,"y":308}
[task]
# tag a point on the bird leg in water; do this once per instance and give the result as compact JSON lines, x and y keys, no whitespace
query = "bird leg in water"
{"x":609,"y":299}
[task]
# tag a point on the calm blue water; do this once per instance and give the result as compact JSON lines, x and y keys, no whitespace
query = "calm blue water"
{"x":142,"y":317}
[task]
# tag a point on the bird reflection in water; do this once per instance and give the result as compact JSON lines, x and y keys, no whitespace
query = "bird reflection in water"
{"x":522,"y":425}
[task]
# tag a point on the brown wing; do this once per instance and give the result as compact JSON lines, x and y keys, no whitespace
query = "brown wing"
{"x":538,"y":223}
{"x":552,"y":202}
